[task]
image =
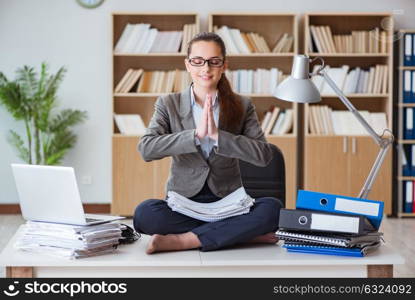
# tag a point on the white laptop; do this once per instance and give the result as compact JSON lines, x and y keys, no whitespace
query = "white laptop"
{"x":50,"y":194}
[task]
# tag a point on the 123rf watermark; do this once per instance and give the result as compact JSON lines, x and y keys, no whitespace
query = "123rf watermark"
{"x":71,"y":289}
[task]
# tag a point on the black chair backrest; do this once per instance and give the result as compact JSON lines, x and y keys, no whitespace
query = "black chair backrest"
{"x":268,"y":181}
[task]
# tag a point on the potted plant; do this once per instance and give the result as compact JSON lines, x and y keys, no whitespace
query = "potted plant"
{"x":32,"y":98}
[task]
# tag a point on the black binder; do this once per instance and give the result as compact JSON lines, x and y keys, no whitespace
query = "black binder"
{"x":312,"y":221}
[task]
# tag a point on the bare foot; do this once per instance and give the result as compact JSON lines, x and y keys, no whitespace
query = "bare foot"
{"x":172,"y":242}
{"x":268,"y":238}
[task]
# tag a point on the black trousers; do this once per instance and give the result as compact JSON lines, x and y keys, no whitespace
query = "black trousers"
{"x":154,"y":216}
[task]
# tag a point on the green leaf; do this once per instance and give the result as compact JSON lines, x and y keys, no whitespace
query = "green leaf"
{"x":16,"y":141}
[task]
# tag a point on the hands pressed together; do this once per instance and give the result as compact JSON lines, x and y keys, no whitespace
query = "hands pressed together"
{"x":207,"y":126}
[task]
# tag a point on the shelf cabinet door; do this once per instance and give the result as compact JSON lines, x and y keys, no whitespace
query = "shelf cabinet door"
{"x":326,"y":165}
{"x":363,"y":152}
{"x":288,"y":147}
{"x":133,"y":178}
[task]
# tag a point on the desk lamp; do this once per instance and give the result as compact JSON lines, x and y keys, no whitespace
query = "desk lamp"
{"x":299,"y":88}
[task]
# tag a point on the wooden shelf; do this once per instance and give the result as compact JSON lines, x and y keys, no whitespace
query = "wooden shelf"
{"x":406,"y":67}
{"x":406,"y":141}
{"x":133,"y":179}
{"x":348,"y":54}
{"x":403,"y":178}
{"x":406,"y":104}
{"x":352,"y":155}
{"x":255,"y":55}
{"x":358,"y":96}
{"x":403,"y":143}
{"x":406,"y":214}
{"x":271,"y":27}
{"x":150,"y":54}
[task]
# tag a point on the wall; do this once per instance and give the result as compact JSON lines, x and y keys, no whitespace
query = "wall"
{"x":63,"y":33}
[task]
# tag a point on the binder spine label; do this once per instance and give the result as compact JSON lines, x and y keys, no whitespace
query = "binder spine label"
{"x":339,"y":223}
{"x":359,"y":207}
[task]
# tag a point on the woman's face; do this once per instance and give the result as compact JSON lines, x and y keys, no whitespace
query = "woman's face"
{"x":208,"y":74}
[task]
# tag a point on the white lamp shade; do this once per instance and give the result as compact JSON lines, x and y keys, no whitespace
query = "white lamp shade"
{"x":297,"y":90}
{"x":298,"y":87}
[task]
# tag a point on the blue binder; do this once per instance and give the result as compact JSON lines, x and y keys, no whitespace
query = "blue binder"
{"x":407,"y":164}
{"x":356,"y":252}
{"x":408,"y":123}
{"x":413,"y":50}
{"x":371,"y":209}
{"x":408,"y":196}
{"x":412,"y":94}
{"x":407,"y":48}
{"x":411,"y":162}
{"x":407,"y":86}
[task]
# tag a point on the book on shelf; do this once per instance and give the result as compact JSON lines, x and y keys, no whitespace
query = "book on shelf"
{"x":272,"y":120}
{"x":277,"y":121}
{"x":259,"y":81}
{"x":322,"y":40}
{"x":189,"y":31}
{"x":129,"y":79}
{"x":325,"y":121}
{"x":284,"y":44}
{"x":156,"y":81}
{"x":130,"y":124}
{"x":238,"y":42}
{"x":374,"y":80}
{"x":141,"y":38}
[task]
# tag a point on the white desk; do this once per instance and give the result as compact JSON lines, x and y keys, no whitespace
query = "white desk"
{"x":247,"y":261}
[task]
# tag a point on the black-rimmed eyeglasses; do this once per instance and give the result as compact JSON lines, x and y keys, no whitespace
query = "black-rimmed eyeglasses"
{"x":212,"y":62}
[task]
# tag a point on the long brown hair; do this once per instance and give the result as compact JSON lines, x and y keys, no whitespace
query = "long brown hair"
{"x":231,"y":109}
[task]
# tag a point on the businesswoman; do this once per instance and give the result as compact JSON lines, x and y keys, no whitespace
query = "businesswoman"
{"x":206,"y":129}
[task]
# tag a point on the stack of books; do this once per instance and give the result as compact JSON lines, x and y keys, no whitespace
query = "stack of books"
{"x":331,"y":224}
{"x":259,"y":81}
{"x":69,"y":241}
{"x":140,"y":38}
{"x":323,"y":41}
{"x":140,"y":81}
{"x":374,"y":80}
{"x":277,"y":121}
{"x":130,"y":124}
{"x":238,"y":42}
{"x":323,"y":120}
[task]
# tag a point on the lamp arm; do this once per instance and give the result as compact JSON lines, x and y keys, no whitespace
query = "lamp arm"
{"x":367,"y":186}
{"x":383,"y":142}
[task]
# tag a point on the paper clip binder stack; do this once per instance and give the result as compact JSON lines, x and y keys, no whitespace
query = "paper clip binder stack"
{"x":69,"y":241}
{"x":236,"y":203}
{"x":330,"y":224}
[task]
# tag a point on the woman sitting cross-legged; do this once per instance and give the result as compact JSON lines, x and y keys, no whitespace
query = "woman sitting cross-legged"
{"x":206,"y":129}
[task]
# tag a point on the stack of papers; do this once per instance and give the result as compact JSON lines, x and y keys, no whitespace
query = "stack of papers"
{"x":236,"y":203}
{"x":69,"y":241}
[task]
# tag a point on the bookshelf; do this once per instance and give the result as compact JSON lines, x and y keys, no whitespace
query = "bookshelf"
{"x":134,"y":180}
{"x":403,"y":143}
{"x":271,"y":27}
{"x":339,"y":164}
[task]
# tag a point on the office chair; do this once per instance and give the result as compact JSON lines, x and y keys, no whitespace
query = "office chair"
{"x":268,"y":181}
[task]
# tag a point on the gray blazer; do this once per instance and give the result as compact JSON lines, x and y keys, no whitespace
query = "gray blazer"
{"x":171,"y":132}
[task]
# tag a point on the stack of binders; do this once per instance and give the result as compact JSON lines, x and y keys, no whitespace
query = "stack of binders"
{"x":331,"y":224}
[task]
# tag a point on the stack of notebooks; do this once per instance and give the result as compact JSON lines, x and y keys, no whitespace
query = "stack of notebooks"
{"x":331,"y":224}
{"x":69,"y":241}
